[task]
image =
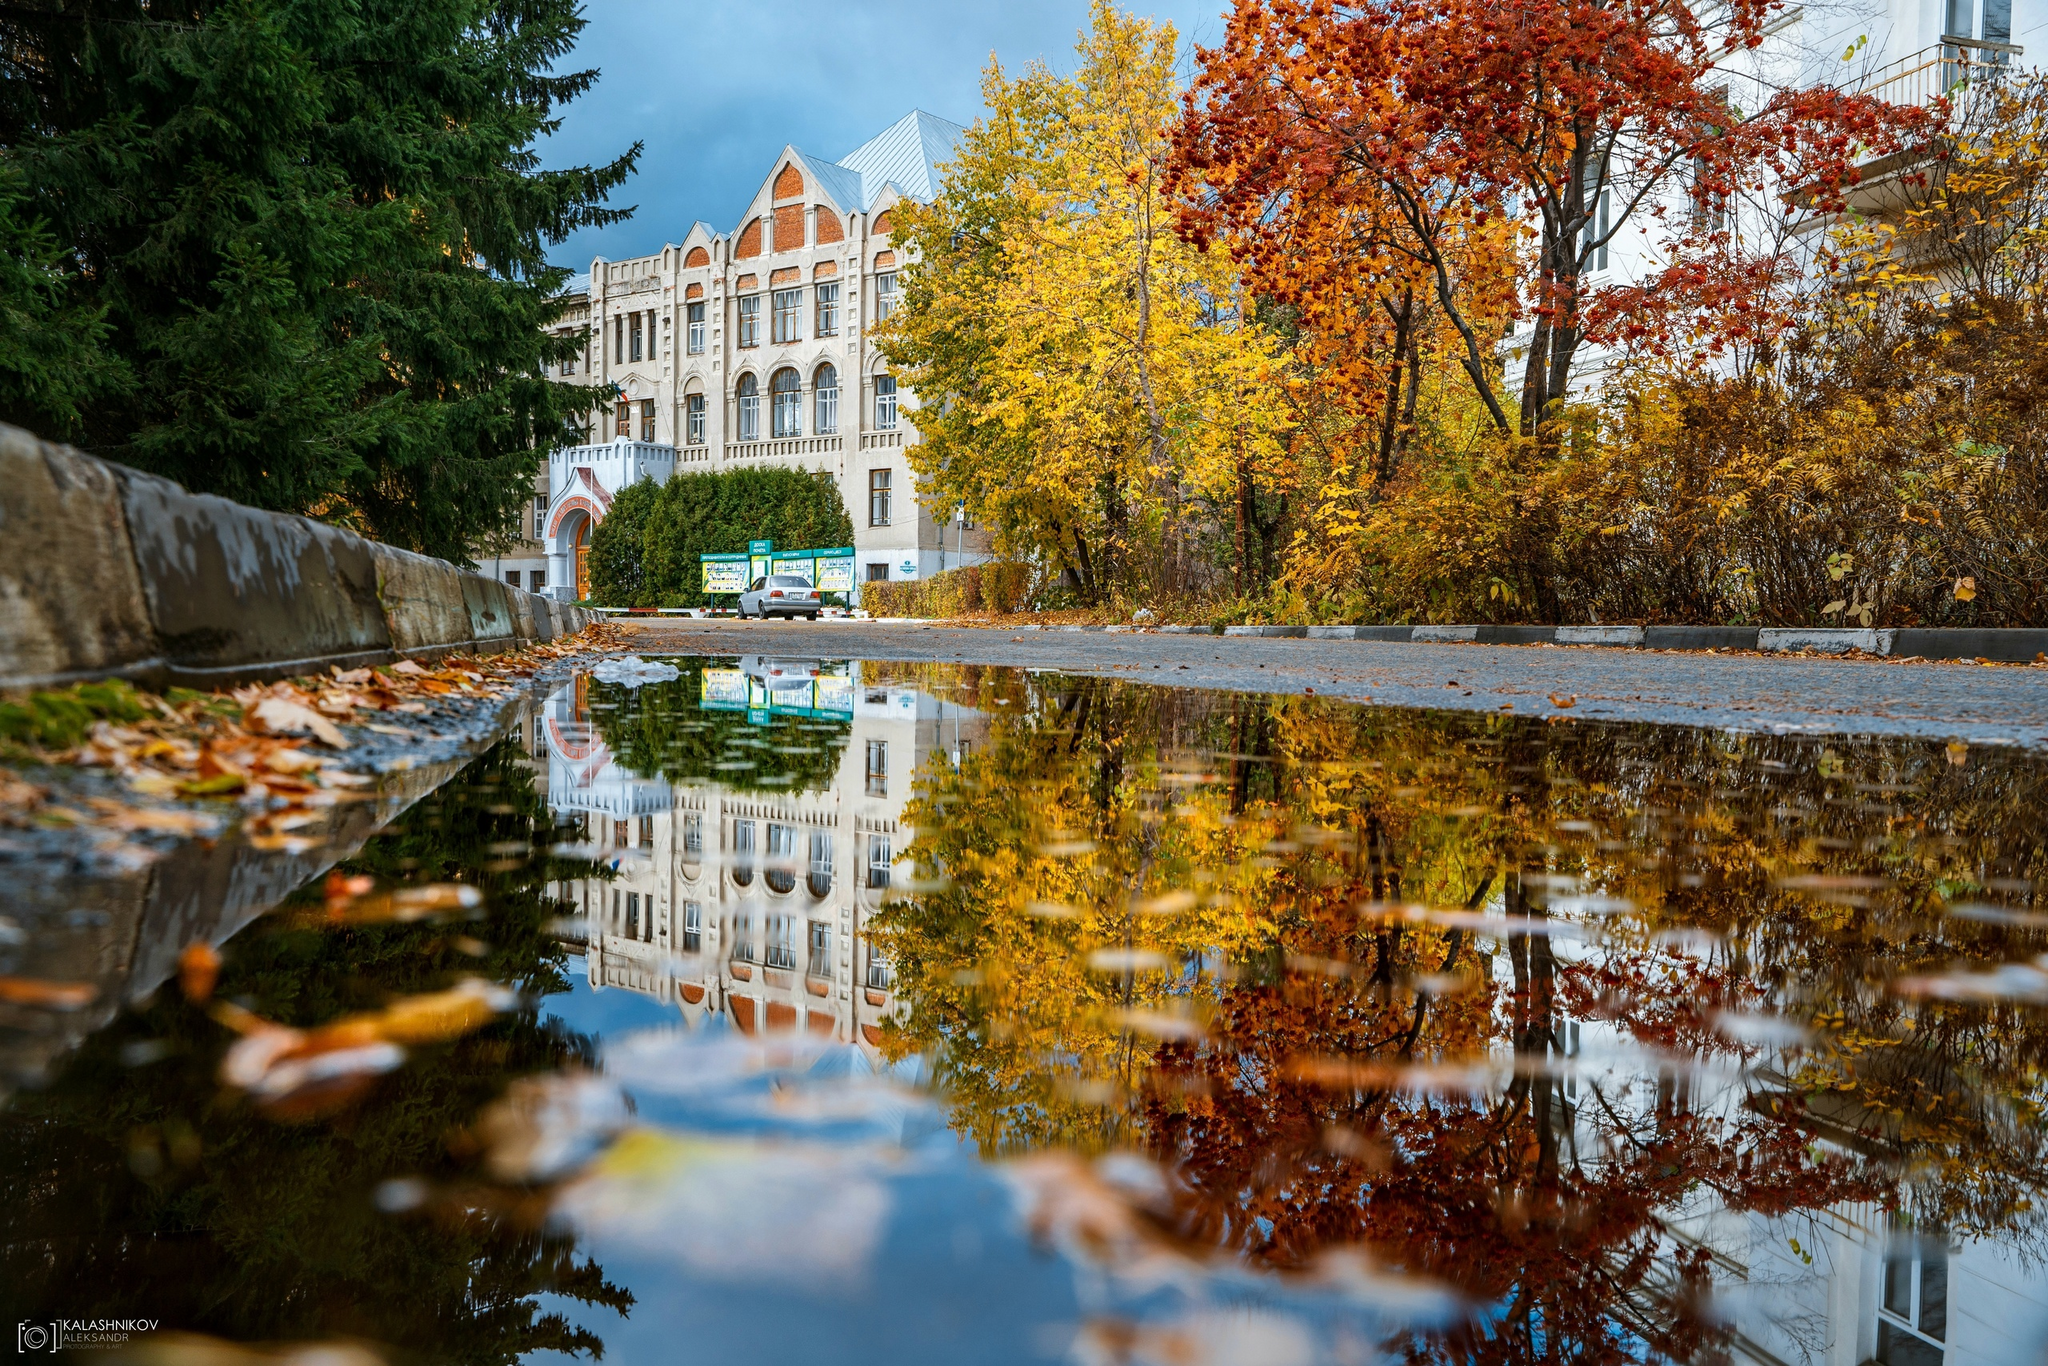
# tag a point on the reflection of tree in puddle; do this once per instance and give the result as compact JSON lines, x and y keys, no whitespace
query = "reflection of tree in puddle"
{"x":1678,"y":1005}
{"x":134,"y":1186}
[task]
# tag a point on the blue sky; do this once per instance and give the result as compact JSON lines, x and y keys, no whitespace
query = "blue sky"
{"x":716,"y":88}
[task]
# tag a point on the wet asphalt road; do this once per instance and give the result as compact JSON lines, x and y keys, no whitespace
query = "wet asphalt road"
{"x":2002,"y":704}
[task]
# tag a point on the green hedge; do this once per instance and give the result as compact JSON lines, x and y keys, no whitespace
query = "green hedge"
{"x":644,"y":553}
{"x":999,"y":586}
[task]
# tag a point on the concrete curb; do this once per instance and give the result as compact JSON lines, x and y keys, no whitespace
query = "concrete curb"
{"x":2009,"y":645}
{"x":116,"y":573}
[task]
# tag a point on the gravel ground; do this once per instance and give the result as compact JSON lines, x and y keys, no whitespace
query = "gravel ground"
{"x":1985,"y":704}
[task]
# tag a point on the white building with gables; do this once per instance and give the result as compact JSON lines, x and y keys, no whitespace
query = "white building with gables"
{"x":750,"y":347}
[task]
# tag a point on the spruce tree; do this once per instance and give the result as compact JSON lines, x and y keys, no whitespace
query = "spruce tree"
{"x":313,"y":234}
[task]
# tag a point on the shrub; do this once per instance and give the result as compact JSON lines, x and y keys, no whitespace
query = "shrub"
{"x":1000,"y":586}
{"x":645,"y":552}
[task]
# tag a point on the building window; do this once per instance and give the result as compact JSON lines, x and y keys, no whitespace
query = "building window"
{"x":623,"y":425}
{"x":618,"y":339}
{"x":885,"y":295}
{"x":781,"y":875}
{"x":693,"y":409}
{"x":788,"y":320}
{"x":512,"y":577}
{"x":878,"y":768}
{"x":647,"y":832}
{"x":1912,"y":1322}
{"x":820,"y":964}
{"x":750,"y":320}
{"x":540,"y":515}
{"x":620,"y":835}
{"x":885,"y":403}
{"x":828,"y":309}
{"x":633,"y":337}
{"x":632,"y":915}
{"x":878,"y":573}
{"x":750,"y":409}
{"x":693,"y":927}
{"x":826,"y":387}
{"x":647,"y":419}
{"x":743,"y":937}
{"x":820,"y":879}
{"x":786,"y":393}
{"x":538,"y":579}
{"x":878,"y":497}
{"x":782,"y":941}
{"x":878,"y":862}
{"x":693,"y":834}
{"x":743,"y":853}
{"x":568,"y":365}
{"x":880,"y":978}
{"x":696,"y":337}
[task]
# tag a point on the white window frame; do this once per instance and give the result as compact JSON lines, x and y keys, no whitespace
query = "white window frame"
{"x":693,"y":419}
{"x":786,"y":409}
{"x":695,"y":314}
{"x":750,"y":322}
{"x":885,"y":403}
{"x":786,"y":325}
{"x":750,"y":412}
{"x":828,"y":308}
{"x":825,"y":408}
{"x":885,"y":295}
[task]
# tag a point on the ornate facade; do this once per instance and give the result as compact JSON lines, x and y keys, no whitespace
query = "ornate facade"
{"x":750,"y":347}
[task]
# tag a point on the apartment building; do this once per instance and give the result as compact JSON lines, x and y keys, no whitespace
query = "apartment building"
{"x":751,"y":347}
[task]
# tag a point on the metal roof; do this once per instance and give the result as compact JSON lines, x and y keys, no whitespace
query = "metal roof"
{"x":906,"y":154}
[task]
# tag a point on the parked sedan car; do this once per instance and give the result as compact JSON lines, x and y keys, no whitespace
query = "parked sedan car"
{"x":780,"y":595}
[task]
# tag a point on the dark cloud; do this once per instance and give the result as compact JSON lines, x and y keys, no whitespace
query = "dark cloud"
{"x":715,"y":90}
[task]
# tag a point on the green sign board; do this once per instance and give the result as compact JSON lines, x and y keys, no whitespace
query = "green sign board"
{"x":831,"y":570}
{"x":724,"y":573}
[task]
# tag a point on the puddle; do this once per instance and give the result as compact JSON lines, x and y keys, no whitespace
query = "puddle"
{"x":777,"y":1010}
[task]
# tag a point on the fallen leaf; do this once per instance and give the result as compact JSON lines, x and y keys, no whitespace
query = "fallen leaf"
{"x":198,"y":970}
{"x":352,"y":677}
{"x":1563,"y":703}
{"x":1958,"y":753}
{"x":406,"y":666}
{"x":282,"y":716}
{"x":34,"y":991}
{"x":1966,"y":588}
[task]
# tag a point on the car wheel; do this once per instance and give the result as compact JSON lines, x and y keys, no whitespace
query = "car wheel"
{"x":810,"y":616}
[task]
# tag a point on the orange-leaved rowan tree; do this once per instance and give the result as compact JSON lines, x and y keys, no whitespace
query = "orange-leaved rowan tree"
{"x":1573,"y":118}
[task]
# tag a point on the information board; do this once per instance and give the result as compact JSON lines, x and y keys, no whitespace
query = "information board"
{"x":724,"y":573}
{"x":723,"y":690}
{"x":835,"y":570}
{"x":795,"y":564}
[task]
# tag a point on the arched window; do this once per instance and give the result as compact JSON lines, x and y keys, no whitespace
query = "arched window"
{"x":885,"y":403}
{"x":825,"y":421}
{"x":750,"y":408}
{"x":786,"y":390}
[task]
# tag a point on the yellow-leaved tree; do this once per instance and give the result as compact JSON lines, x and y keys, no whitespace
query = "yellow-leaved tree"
{"x":1088,"y":383}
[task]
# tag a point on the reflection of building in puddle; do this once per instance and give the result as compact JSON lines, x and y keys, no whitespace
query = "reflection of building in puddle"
{"x":1849,"y":1284}
{"x":753,"y":904}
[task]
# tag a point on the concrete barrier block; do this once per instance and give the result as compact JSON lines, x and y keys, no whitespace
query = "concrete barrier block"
{"x":423,"y":600}
{"x":1599,"y":635}
{"x":2016,"y":645}
{"x":71,"y":602}
{"x":1333,"y":632}
{"x":1515,"y":635}
{"x":1824,"y":640}
{"x":1699,"y":637}
{"x":231,"y":588}
{"x":1281,"y":632}
{"x":1443,"y":633}
{"x":526,"y":618}
{"x":490,"y":607}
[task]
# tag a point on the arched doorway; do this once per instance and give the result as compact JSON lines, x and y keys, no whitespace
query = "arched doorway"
{"x":581,"y":550}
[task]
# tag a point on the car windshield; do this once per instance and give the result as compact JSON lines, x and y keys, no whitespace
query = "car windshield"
{"x":790,"y":581}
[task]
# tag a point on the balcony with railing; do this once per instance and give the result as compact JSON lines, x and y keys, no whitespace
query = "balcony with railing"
{"x":1950,"y":66}
{"x":783,"y":448}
